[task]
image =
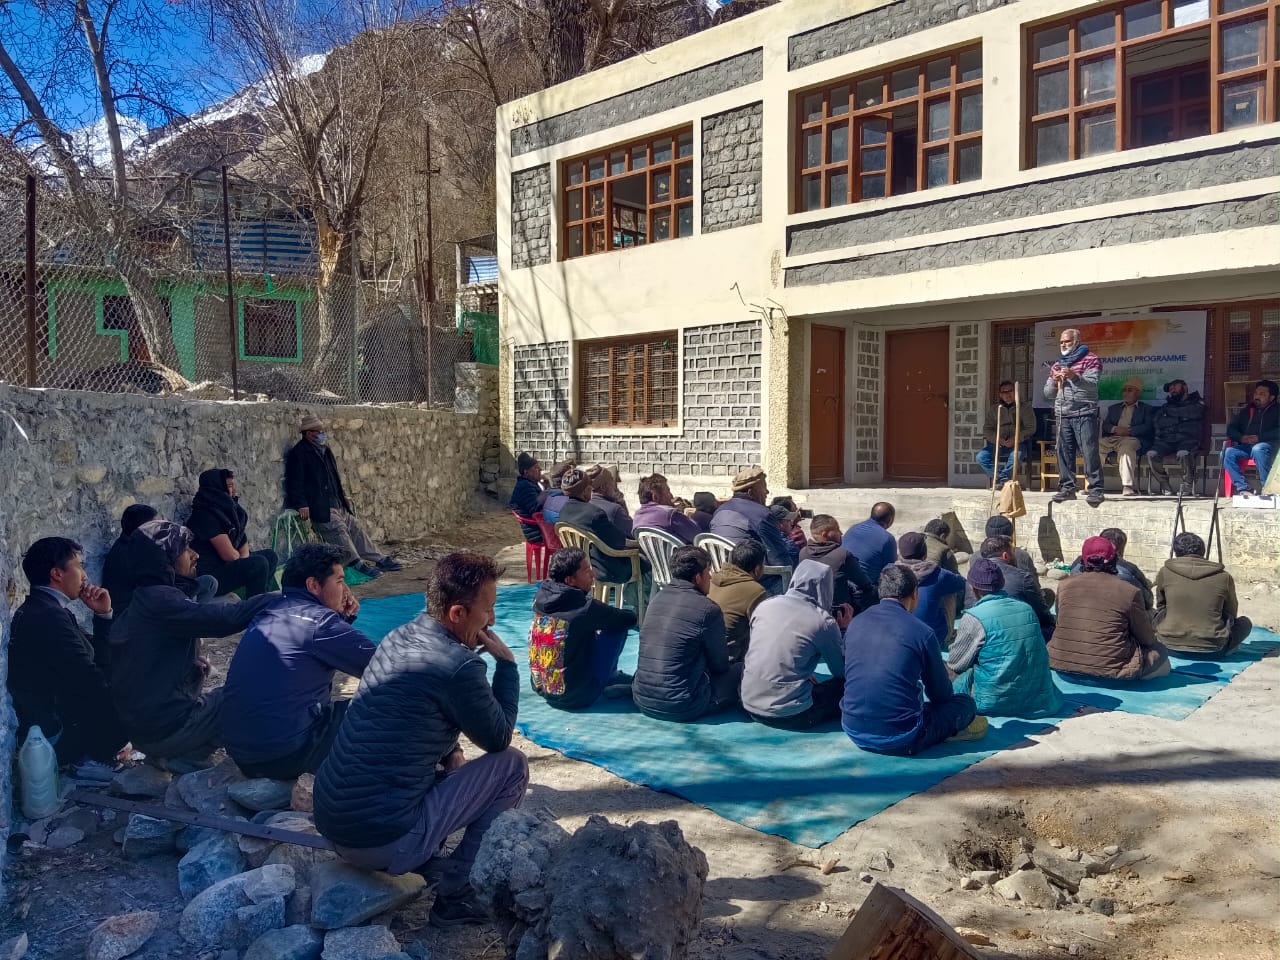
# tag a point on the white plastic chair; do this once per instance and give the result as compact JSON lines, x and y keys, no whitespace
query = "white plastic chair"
{"x":720,"y":547}
{"x":606,"y":591}
{"x":657,"y":547}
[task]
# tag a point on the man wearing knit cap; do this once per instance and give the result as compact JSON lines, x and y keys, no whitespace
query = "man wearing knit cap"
{"x":1127,"y":431}
{"x":581,"y":514}
{"x":941,"y":591}
{"x":1103,"y":628}
{"x":745,"y":515}
{"x":998,"y":656}
{"x":313,"y":487}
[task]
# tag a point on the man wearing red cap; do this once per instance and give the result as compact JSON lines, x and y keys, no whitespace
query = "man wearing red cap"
{"x":1103,"y":628}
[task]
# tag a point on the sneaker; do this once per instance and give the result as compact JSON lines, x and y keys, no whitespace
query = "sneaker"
{"x":91,"y":770}
{"x":974,"y":731}
{"x":1094,"y":497}
{"x":388,"y":564}
{"x":457,"y":910}
{"x":616,"y":691}
{"x":368,"y":569}
{"x":1062,"y":496}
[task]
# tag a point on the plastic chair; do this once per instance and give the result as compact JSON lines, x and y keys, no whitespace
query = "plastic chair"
{"x":657,"y":547}
{"x":549,"y":537}
{"x":720,"y":547}
{"x":607,"y":591}
{"x":535,"y":554}
{"x":1226,"y":477}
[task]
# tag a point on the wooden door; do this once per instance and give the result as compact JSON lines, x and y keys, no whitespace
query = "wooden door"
{"x":826,"y":404}
{"x":917,"y":387}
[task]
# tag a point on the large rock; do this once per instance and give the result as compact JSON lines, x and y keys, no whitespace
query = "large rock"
{"x":1032,"y":888}
{"x":261,"y":794}
{"x":360,"y":943}
{"x":147,"y":837}
{"x":119,"y":936}
{"x":302,"y":859}
{"x":142,"y":780}
{"x":214,"y":859}
{"x":343,"y":896}
{"x":210,"y":919}
{"x":1065,"y":872}
{"x":298,"y":942}
{"x":206,"y":791}
{"x":64,"y":836}
{"x":302,"y":798}
{"x":257,"y":918}
{"x":193,"y":835}
{"x":595,"y":895}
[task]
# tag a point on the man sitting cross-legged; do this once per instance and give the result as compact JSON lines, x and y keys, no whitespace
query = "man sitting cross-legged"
{"x":737,"y":591}
{"x":871,"y":542}
{"x":937,"y":549}
{"x":1197,"y":610}
{"x":1017,"y":582}
{"x":278,"y":719}
{"x":683,"y":671}
{"x":1126,"y":571}
{"x":889,"y":657}
{"x":849,"y":583}
{"x":395,"y":784}
{"x":790,"y":634}
{"x":998,"y":655}
{"x":575,"y":640}
{"x":941,"y":591}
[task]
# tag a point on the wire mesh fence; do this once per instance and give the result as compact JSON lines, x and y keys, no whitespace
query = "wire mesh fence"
{"x":139,"y":302}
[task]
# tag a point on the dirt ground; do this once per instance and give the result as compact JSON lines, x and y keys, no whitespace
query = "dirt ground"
{"x":1197,"y":797}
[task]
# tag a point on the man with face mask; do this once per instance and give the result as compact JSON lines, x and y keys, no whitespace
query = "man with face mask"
{"x":1179,"y":425}
{"x":313,"y":487}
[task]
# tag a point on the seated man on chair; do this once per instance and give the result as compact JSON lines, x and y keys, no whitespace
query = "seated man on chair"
{"x":575,"y":640}
{"x":997,"y":430}
{"x":657,"y":510}
{"x":1179,"y":426}
{"x":1127,"y":431}
{"x":528,"y":494}
{"x":736,"y":590}
{"x":581,"y":514}
{"x":683,"y":671}
{"x":1197,"y":610}
{"x":1255,"y":431}
{"x":745,"y":515}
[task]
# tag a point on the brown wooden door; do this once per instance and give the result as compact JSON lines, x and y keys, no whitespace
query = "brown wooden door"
{"x":916,"y":399}
{"x":826,"y":404}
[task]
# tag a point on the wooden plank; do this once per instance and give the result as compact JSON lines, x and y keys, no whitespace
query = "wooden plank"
{"x":892,"y":925}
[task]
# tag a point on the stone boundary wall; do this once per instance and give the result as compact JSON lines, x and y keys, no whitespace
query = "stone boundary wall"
{"x":732,"y":145}
{"x":1149,"y":178}
{"x":531,"y":217}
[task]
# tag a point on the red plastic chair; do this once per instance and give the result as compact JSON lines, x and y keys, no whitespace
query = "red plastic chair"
{"x":549,"y":538}
{"x":535,"y":554}
{"x":1226,"y":477}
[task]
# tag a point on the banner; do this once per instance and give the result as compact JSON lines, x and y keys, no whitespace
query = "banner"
{"x":1150,"y":349}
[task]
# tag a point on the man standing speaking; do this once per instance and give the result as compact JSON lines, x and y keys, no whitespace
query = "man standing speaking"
{"x":1073,"y":387}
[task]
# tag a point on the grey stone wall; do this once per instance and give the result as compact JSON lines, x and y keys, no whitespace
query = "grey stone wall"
{"x":720,"y":409}
{"x":531,"y":217}
{"x":893,"y":20}
{"x":868,"y":374}
{"x":698,"y":84}
{"x":476,"y":393}
{"x":1150,"y":178}
{"x":967,"y":405}
{"x":1104,"y":232}
{"x":731,"y":167}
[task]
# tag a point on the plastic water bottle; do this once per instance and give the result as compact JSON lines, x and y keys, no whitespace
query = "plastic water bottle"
{"x":38,"y":775}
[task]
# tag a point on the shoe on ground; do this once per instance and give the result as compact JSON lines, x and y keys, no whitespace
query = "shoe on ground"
{"x":1167,"y":491}
{"x":457,"y":910}
{"x":91,"y":771}
{"x":617,"y":691}
{"x":1128,"y":492}
{"x":620,"y":677}
{"x":974,"y":731}
{"x":1062,"y":496}
{"x":1094,"y":497}
{"x":368,"y":569}
{"x":389,"y":564}
{"x":1185,"y":492}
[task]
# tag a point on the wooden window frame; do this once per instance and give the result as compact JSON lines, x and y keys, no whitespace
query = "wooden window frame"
{"x":837,"y":110}
{"x":1266,"y":72}
{"x":643,"y":397}
{"x":245,"y":304}
{"x":599,"y":231}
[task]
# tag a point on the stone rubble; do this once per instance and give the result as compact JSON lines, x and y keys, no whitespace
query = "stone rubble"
{"x":119,"y":936}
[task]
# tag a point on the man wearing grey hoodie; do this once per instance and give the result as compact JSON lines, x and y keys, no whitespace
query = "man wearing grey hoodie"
{"x":790,"y":634}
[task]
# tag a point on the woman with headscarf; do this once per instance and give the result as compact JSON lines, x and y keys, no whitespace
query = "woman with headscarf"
{"x":218,"y":523}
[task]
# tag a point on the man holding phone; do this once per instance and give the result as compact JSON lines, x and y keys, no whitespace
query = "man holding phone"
{"x":1072,"y":385}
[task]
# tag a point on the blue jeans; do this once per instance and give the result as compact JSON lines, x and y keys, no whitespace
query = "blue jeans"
{"x":986,"y":458}
{"x":1078,"y":435}
{"x":1233,"y":459}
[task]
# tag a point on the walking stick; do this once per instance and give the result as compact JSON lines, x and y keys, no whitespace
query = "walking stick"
{"x":1017,"y":432}
{"x":995,"y":464}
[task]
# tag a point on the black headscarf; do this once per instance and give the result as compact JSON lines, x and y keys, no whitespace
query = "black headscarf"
{"x":212,"y":497}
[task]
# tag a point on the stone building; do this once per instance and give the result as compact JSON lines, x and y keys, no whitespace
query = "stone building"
{"x":819,"y":235}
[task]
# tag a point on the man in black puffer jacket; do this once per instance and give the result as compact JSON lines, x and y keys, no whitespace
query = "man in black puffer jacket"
{"x":683,"y":670}
{"x":1179,"y":426}
{"x":395,"y":784}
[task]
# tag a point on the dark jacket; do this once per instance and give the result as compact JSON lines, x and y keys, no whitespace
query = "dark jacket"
{"x":1196,"y":605}
{"x":526,"y":500}
{"x":1102,"y":628}
{"x":117,"y":579}
{"x":589,"y":517}
{"x":1264,"y":423}
{"x":156,"y":681}
{"x":851,"y":584}
{"x":937,"y":550}
{"x":1007,"y":419}
{"x":656,"y":516}
{"x":1179,"y":426}
{"x":941,"y":597}
{"x":617,"y":513}
{"x":551,"y":506}
{"x":562,"y":636}
{"x":214,"y":512}
{"x":1021,"y":585}
{"x":681,"y":643}
{"x":889,"y":657}
{"x":1128,"y":572}
{"x":737,"y":595}
{"x":420,"y":692}
{"x":1141,"y":425}
{"x":55,"y":683}
{"x":311,"y":480}
{"x":873,"y":546}
{"x":740,"y":518}
{"x":279,"y":681}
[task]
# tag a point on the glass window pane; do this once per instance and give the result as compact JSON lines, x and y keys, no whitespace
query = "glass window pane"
{"x":1051,"y":90}
{"x":1155,"y":128}
{"x":970,"y":161}
{"x":838,"y":144}
{"x":938,"y":74}
{"x":595,"y":201}
{"x":1189,"y":11}
{"x":595,"y":168}
{"x":812,"y":187}
{"x":1141,"y":19}
{"x":839,"y":101}
{"x":617,"y":162}
{"x":969,"y":66}
{"x":937,"y":168}
{"x":873,"y":187}
{"x":1242,"y":44}
{"x":574,"y":171}
{"x":971,"y":112}
{"x":1241,"y":103}
{"x":1049,"y":44}
{"x":1097,"y":79}
{"x":938,"y":113}
{"x":684,"y":181}
{"x":1230,"y":6}
{"x":596,"y":241}
{"x":1099,"y":31}
{"x":684,"y":144}
{"x":1051,"y":142}
{"x":661,"y":187}
{"x":837,"y":188}
{"x":813,"y":148}
{"x":575,"y":242}
{"x":1096,"y":133}
{"x":662,"y":224}
{"x":662,"y":150}
{"x":573,"y":209}
{"x":873,"y":132}
{"x":684,"y":222}
{"x":905,"y":83}
{"x":812,"y":107}
{"x":639,"y":157}
{"x":874,"y":159}
{"x":870,"y":92}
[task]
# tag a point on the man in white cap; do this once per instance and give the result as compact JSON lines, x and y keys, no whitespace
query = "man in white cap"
{"x":313,"y":487}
